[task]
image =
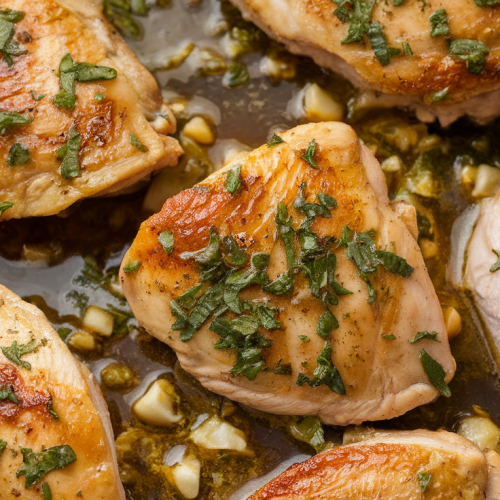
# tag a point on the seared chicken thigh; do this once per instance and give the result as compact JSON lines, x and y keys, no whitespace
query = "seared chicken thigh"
{"x":54,"y":423}
{"x":403,"y":465}
{"x":287,"y":282}
{"x":78,"y":111}
{"x":438,"y":57}
{"x":482,"y":269}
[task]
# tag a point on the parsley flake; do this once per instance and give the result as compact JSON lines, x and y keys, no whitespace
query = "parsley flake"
{"x":47,"y":494}
{"x":132,"y":266}
{"x":424,"y":335}
{"x":424,"y":480}
{"x":435,"y":373}
{"x":274,"y":141}
{"x":389,"y":337}
{"x":233,"y":180}
{"x":15,"y":352}
{"x":70,"y":166}
{"x":4,"y":205}
{"x":496,"y":265}
{"x":166,"y":240}
{"x":137,"y":143}
{"x":439,"y":23}
{"x":308,"y":156}
{"x":472,"y":52}
{"x":7,"y":393}
{"x":12,"y":119}
{"x":18,"y":155}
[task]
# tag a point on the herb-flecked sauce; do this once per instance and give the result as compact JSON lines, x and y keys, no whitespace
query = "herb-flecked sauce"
{"x":64,"y":264}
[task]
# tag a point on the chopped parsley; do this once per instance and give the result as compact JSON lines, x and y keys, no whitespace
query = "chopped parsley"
{"x":435,"y":373}
{"x":234,"y":256}
{"x":407,"y":49}
{"x":308,"y":156}
{"x":496,"y":265}
{"x":236,"y":75}
{"x":18,"y":155}
{"x":233,"y":180}
{"x":12,"y":119}
{"x":379,"y":45}
{"x":274,"y":141}
{"x":440,"y":95}
{"x":7,"y":393}
{"x":424,"y":335}
{"x":357,"y":14}
{"x":70,"y":166}
{"x":361,"y":249}
{"x":325,"y":373}
{"x":487,"y":3}
{"x":15,"y":352}
{"x":36,"y":97}
{"x":285,"y":230}
{"x":71,"y":72}
{"x":8,"y":47}
{"x":166,"y":240}
{"x":47,"y":494}
{"x":37,"y":465}
{"x":424,"y":480}
{"x":4,"y":205}
{"x":439,"y":23}
{"x":304,"y":338}
{"x":99,"y":97}
{"x":3,"y":445}
{"x":52,"y":411}
{"x":283,"y":369}
{"x":132,"y":266}
{"x":389,"y":337}
{"x":137,"y":143}
{"x":472,"y":52}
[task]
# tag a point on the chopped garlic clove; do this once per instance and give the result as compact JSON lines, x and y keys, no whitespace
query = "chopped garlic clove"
{"x":98,"y":320}
{"x":428,"y":248}
{"x":481,"y":431}
{"x":199,"y":130}
{"x":186,"y":476}
{"x":215,"y":434}
{"x":452,"y":320}
{"x":159,"y":405}
{"x":487,"y":181}
{"x":320,"y":106}
{"x":392,"y":164}
{"x":82,"y":341}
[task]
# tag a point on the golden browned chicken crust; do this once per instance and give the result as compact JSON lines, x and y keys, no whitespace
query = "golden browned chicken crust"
{"x":127,"y":104}
{"x":55,"y":382}
{"x":394,"y":465}
{"x":383,"y":377}
{"x":310,"y":27}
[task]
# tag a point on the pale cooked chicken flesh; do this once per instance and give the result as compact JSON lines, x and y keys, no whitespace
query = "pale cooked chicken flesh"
{"x":371,"y":357}
{"x":405,"y":465}
{"x":309,"y":27}
{"x":49,"y":400}
{"x":105,"y":114}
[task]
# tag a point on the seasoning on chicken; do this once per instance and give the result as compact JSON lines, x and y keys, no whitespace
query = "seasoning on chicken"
{"x":288,"y":282}
{"x":55,"y":431}
{"x":439,"y":58}
{"x":79,"y":114}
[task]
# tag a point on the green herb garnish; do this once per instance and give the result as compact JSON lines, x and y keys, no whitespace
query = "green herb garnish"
{"x":47,"y":494}
{"x":284,"y":228}
{"x":70,"y":166}
{"x":327,"y":323}
{"x":37,"y":465}
{"x":137,"y":143}
{"x":70,"y":72}
{"x":9,"y":120}
{"x":496,"y":265}
{"x":487,"y":3}
{"x":424,"y":480}
{"x":304,"y":338}
{"x":236,"y":75}
{"x":166,"y":240}
{"x":283,"y":369}
{"x":4,"y":205}
{"x":8,"y":47}
{"x":52,"y":411}
{"x":18,"y":155}
{"x":132,"y":266}
{"x":36,"y":97}
{"x":3,"y":445}
{"x":233,"y":179}
{"x":378,"y":42}
{"x":325,"y":373}
{"x":435,"y":373}
{"x":7,"y":393}
{"x":424,"y":335}
{"x":439,"y":23}
{"x":15,"y":352}
{"x":274,"y":141}
{"x":13,"y":16}
{"x":308,"y":156}
{"x":440,"y":95}
{"x":236,"y":257}
{"x":473,"y":52}
{"x":282,"y":285}
{"x":407,"y":49}
{"x":357,"y":13}
{"x":99,"y":97}
{"x":389,"y":337}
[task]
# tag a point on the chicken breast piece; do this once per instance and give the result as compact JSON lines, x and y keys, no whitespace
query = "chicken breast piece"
{"x":435,"y":72}
{"x":392,"y":465}
{"x":481,"y":275}
{"x":54,"y":423}
{"x":328,"y":336}
{"x":53,"y":96}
